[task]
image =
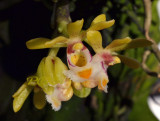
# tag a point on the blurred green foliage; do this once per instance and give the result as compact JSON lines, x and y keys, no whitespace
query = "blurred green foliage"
{"x":128,"y":88}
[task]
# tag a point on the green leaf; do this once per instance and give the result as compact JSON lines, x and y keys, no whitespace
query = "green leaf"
{"x":129,"y":61}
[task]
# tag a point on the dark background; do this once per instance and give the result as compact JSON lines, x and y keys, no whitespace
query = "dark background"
{"x":22,"y":20}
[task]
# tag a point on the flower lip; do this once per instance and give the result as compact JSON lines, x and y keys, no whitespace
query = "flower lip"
{"x":107,"y":57}
{"x":69,"y":62}
{"x":102,"y":63}
{"x":73,"y":46}
{"x":78,"y":55}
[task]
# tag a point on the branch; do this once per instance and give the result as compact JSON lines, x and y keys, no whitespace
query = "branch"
{"x":155,"y":50}
{"x":145,"y":67}
{"x":148,"y":18}
{"x":60,"y":17}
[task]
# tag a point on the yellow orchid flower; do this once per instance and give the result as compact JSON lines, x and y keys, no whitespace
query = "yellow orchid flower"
{"x":109,"y":55}
{"x":56,"y":82}
{"x":105,"y":57}
{"x":92,"y":72}
{"x":49,"y":83}
{"x":77,"y":54}
{"x":55,"y":85}
{"x":84,"y":68}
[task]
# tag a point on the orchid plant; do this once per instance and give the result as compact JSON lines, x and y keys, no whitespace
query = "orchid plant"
{"x":54,"y":82}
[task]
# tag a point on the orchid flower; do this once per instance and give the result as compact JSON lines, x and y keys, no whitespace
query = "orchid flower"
{"x":78,"y":56}
{"x":49,"y":83}
{"x":56,"y":83}
{"x":107,"y":56}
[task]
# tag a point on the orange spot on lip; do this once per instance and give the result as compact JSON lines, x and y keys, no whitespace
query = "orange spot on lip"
{"x":86,"y":73}
{"x":102,"y":84}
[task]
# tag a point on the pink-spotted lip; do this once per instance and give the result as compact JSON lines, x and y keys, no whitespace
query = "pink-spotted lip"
{"x":102,"y":64}
{"x":70,"y":47}
{"x":90,"y":57}
{"x":69,"y":62}
{"x":84,"y":50}
{"x":107,"y":57}
{"x":87,"y":55}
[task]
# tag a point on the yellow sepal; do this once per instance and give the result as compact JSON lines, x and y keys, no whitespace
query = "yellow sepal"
{"x":24,"y":85}
{"x":95,"y":40}
{"x":39,"y":99}
{"x":20,"y":97}
{"x":37,"y":43}
{"x":118,"y":44}
{"x":101,"y":25}
{"x":56,"y":41}
{"x":74,"y":28}
{"x":99,"y":18}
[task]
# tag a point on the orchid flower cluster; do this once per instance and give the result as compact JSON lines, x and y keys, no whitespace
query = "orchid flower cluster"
{"x":54,"y":82}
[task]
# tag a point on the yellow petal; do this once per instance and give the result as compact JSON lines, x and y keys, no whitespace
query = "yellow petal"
{"x":135,"y":43}
{"x":95,"y":40}
{"x":37,"y":43}
{"x":58,"y":40}
{"x":118,"y":44}
{"x":132,"y":63}
{"x":39,"y":99}
{"x":84,"y":92}
{"x":101,"y":25}
{"x":20,"y":99}
{"x":42,"y":78}
{"x":74,"y":28}
{"x":99,"y":18}
{"x":60,"y":67}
